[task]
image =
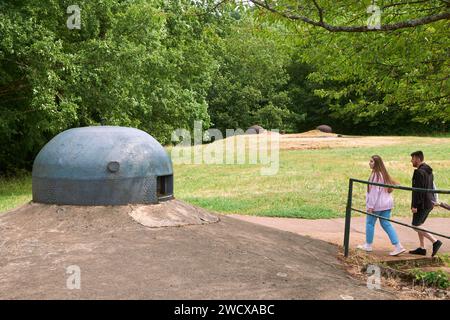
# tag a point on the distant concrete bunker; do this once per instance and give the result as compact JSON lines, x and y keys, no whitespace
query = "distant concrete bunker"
{"x":102,"y":166}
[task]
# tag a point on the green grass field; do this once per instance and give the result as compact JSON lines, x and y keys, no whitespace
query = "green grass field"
{"x":14,"y":192}
{"x":310,"y":183}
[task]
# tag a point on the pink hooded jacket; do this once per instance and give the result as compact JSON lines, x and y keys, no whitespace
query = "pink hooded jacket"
{"x":378,"y":198}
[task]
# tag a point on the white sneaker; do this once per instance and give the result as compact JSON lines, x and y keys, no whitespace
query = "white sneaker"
{"x":364,"y":247}
{"x":397,"y":251}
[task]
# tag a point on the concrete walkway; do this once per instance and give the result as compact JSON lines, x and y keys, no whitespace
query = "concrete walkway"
{"x":332,"y":230}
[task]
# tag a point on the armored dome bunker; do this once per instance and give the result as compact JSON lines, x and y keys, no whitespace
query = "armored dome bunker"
{"x":102,"y":165}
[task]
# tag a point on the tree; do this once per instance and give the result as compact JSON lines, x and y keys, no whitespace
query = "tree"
{"x":250,"y":85}
{"x":133,"y":63}
{"x":340,"y":17}
{"x":388,"y":81}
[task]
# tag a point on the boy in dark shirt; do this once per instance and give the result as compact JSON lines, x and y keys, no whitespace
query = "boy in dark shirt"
{"x":422,"y":202}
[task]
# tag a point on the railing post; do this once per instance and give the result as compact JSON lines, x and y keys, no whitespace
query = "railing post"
{"x":348,"y":216}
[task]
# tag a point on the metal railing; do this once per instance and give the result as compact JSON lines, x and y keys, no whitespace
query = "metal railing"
{"x":349,"y":209}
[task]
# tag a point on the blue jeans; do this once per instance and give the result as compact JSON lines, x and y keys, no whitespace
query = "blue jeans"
{"x":386,"y":225}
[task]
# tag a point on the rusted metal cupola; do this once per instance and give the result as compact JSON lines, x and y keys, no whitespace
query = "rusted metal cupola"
{"x":102,"y":165}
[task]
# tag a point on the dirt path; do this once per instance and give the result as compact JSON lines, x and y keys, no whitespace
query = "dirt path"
{"x":332,"y":230}
{"x":121,"y":259}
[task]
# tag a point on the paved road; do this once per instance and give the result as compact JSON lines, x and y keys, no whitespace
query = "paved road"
{"x":120,"y":259}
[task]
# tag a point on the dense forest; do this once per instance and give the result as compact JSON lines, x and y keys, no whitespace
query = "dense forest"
{"x":159,"y":65}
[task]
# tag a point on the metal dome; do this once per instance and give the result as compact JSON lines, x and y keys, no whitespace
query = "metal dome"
{"x":102,"y":166}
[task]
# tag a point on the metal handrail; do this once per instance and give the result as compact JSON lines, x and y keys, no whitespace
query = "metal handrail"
{"x":393,"y":186}
{"x":348,"y":212}
{"x":401,"y":223}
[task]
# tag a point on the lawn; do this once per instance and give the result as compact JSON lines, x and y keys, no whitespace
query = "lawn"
{"x":310,"y":183}
{"x":14,"y":192}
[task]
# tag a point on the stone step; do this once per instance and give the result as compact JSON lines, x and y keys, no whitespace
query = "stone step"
{"x":409,"y":261}
{"x":404,"y":260}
